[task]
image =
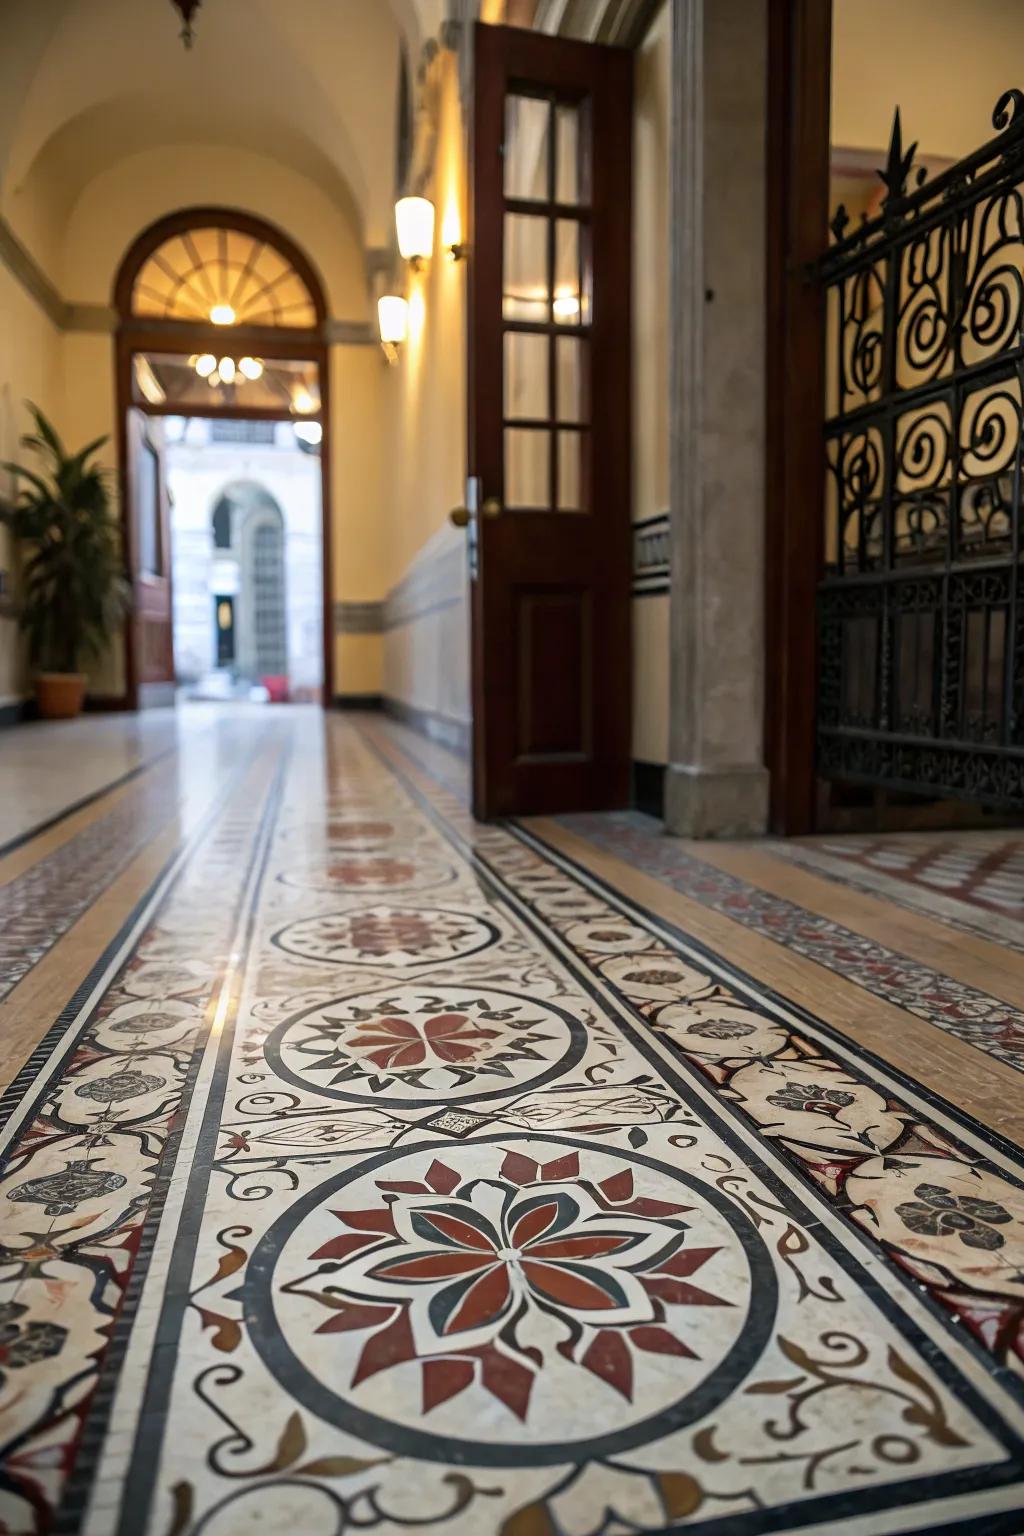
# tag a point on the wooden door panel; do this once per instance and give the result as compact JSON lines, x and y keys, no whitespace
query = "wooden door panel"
{"x":150,"y":556}
{"x":554,"y":643}
{"x":549,"y":428}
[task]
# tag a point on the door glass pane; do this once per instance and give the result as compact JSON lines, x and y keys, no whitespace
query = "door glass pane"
{"x":570,"y":450}
{"x":526,"y":287}
{"x":567,"y":164}
{"x":527,"y":127}
{"x":527,"y":468}
{"x":566,"y":307}
{"x":148,"y":518}
{"x":526,"y":375}
{"x":572,"y":360}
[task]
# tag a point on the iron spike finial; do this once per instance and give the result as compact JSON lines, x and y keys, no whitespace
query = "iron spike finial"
{"x":898,"y":164}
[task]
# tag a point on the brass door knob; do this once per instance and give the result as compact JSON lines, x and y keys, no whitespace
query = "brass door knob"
{"x":459,"y":517}
{"x":491,"y":507}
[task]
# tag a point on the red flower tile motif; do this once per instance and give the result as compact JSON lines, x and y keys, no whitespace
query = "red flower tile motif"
{"x":410,"y":1042}
{"x":459,"y":1274}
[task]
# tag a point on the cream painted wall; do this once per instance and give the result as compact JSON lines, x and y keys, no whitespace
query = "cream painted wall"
{"x":118,"y":204}
{"x":945,"y":62}
{"x":650,"y":372}
{"x":424,"y":459}
{"x":29,"y":370}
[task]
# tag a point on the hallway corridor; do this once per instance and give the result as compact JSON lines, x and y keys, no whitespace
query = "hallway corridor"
{"x":365,"y":1167}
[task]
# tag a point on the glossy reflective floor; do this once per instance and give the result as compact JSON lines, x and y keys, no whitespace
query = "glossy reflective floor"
{"x":368,"y":1169}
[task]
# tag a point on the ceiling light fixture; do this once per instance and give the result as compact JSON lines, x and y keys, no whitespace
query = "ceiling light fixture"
{"x":205,"y":364}
{"x":222,"y":314}
{"x":252,"y":367}
{"x":226,"y":368}
{"x":186,"y":9}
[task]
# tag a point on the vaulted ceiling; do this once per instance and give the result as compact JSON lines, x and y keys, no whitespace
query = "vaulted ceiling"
{"x":311,"y":84}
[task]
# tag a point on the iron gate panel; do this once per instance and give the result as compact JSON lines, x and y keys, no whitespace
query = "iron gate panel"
{"x":921,"y":603}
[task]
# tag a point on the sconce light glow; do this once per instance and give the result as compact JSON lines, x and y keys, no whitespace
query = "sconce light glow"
{"x":302,"y":400}
{"x":566,"y":306}
{"x":392,"y":318}
{"x":205,"y":364}
{"x":222,"y":314}
{"x":252,"y":367}
{"x":226,"y":369}
{"x":414,"y":222}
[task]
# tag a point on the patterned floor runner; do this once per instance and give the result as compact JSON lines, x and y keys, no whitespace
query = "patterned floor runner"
{"x":402,"y":1177}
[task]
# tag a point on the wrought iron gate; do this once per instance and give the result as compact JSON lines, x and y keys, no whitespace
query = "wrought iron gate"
{"x":921,"y":605}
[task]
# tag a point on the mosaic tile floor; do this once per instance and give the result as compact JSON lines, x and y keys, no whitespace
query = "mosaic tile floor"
{"x":395,"y":1174}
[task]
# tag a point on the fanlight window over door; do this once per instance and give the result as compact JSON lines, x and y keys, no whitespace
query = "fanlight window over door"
{"x":225,"y":276}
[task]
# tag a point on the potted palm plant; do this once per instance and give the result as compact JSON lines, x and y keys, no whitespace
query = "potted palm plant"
{"x":73,"y":589}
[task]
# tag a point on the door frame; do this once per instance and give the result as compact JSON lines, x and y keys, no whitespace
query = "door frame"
{"x":135,"y":334}
{"x":798,"y":169}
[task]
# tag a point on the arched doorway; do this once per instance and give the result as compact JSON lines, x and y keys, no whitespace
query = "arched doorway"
{"x":220,"y":315}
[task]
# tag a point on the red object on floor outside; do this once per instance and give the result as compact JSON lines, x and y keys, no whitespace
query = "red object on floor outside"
{"x":277,"y":687}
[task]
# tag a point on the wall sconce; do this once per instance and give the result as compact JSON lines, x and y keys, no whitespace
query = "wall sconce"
{"x":393,"y":322}
{"x":414,"y":222}
{"x":451,"y":234}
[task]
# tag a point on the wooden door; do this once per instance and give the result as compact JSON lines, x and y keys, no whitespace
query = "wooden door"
{"x":150,"y":556}
{"x":549,"y":427}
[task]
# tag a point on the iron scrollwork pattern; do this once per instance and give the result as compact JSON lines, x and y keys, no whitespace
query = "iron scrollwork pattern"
{"x":921,"y":604}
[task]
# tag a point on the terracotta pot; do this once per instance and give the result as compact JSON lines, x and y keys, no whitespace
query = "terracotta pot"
{"x":60,"y":694}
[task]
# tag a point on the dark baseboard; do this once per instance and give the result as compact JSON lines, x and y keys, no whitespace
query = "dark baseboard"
{"x":14,"y":714}
{"x":157,"y":695}
{"x":649,"y":788}
{"x":358,"y":701}
{"x":453,"y":734}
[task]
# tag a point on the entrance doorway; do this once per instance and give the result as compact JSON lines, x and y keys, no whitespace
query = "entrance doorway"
{"x":245,"y":522}
{"x":220,"y":347}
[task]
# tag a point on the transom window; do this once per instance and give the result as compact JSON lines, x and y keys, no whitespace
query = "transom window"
{"x":225,"y":276}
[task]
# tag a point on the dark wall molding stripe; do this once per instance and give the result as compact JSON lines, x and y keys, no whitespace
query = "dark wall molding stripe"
{"x":101,"y":319}
{"x":358,"y":701}
{"x":358,"y":618}
{"x":651,"y":537}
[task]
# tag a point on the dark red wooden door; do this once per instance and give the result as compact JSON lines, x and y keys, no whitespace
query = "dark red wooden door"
{"x":549,"y":428}
{"x":150,"y":551}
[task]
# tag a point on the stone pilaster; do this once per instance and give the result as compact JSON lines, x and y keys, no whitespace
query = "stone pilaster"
{"x":717,"y":785}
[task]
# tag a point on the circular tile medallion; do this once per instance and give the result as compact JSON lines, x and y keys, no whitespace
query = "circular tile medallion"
{"x":424,"y":1045}
{"x":387,"y":936}
{"x":511,"y":1301}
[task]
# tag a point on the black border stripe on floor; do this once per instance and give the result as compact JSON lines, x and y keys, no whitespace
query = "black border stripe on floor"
{"x":21,"y":838}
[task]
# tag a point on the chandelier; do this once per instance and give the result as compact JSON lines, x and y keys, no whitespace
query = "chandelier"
{"x":186,"y":10}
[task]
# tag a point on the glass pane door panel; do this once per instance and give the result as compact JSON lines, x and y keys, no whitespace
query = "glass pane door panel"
{"x":526,"y":376}
{"x":526,"y":292}
{"x":571,"y":446}
{"x":572,"y":378}
{"x":568,"y":179}
{"x":527,"y":468}
{"x":568,"y":294}
{"x":527,"y":139}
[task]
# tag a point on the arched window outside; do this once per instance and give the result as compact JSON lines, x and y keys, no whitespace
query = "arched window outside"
{"x":222,"y":524}
{"x":266,"y":575}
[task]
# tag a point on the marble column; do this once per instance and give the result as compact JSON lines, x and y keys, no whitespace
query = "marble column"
{"x":717,"y":784}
